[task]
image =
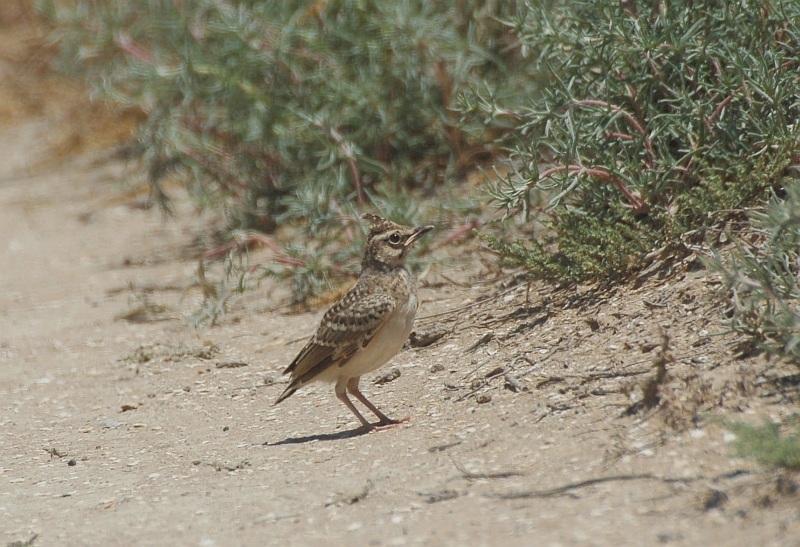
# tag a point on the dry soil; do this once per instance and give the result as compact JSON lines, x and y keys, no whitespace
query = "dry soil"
{"x":539,"y":418}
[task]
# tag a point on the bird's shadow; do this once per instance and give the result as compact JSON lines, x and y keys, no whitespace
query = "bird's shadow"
{"x":349,"y":434}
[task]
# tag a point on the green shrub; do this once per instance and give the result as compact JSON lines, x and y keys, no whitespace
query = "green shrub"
{"x":655,"y":115}
{"x":766,"y":444}
{"x":763,"y":278}
{"x":301,"y":112}
{"x":299,"y":109}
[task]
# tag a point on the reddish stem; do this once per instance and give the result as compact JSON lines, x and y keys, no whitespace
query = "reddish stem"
{"x":465,"y":228}
{"x":289,"y":261}
{"x":249,"y":239}
{"x":633,"y":122}
{"x":615,"y":109}
{"x":620,"y":136}
{"x":717,"y":111}
{"x":597,"y":172}
{"x":709,"y":122}
{"x":131,"y":47}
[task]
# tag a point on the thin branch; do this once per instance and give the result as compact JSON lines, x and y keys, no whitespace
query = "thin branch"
{"x":618,"y":135}
{"x":472,"y":476}
{"x":598,"y":172}
{"x":468,"y":306}
{"x":464,"y":229}
{"x":616,"y":110}
{"x":130,"y":46}
{"x":717,"y":111}
{"x":632,"y":121}
{"x":550,"y":492}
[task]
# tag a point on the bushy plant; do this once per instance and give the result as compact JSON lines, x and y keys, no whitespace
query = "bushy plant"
{"x":656,"y":115}
{"x":299,"y":109}
{"x":301,"y":112}
{"x":766,"y":444}
{"x":762,"y":277}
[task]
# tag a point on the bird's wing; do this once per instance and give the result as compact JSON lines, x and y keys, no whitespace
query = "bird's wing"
{"x":345,"y":328}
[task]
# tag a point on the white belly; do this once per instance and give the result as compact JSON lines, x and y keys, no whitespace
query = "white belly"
{"x":385,"y":345}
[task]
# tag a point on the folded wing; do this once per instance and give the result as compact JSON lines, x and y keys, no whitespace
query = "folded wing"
{"x":349,"y":325}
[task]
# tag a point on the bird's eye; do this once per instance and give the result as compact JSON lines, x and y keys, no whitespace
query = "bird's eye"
{"x":394,"y":238}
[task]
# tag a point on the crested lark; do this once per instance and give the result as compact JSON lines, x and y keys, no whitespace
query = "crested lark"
{"x":368,"y":325}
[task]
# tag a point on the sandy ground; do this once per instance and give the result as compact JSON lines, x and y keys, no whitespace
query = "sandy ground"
{"x":120,"y":427}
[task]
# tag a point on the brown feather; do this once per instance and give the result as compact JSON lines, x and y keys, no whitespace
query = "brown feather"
{"x":355,"y":318}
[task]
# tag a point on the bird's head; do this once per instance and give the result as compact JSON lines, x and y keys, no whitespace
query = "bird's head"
{"x":388,"y":243}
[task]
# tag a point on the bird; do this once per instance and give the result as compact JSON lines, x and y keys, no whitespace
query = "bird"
{"x":367,"y":326}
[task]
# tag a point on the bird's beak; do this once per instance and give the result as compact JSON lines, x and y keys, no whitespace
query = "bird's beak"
{"x":418,"y":233}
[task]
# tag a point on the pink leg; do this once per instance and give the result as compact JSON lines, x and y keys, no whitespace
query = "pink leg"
{"x":341,"y":394}
{"x":352,"y":387}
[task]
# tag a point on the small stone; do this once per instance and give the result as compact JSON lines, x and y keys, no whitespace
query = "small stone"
{"x":483,"y":398}
{"x":388,"y":376}
{"x":497,"y":371}
{"x":232,"y":364}
{"x":785,"y":486}
{"x":72,"y":463}
{"x":421,"y":338}
{"x":713,"y":499}
{"x":728,"y":437}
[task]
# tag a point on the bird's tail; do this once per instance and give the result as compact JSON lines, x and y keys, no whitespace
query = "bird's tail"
{"x":288,"y":392}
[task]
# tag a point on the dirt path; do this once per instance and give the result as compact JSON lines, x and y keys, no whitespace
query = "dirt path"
{"x":150,"y":432}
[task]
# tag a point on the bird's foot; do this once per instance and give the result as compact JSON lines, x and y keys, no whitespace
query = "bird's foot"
{"x":389,"y":423}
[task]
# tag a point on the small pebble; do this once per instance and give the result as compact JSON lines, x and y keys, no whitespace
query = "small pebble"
{"x":388,"y":376}
{"x":728,"y":437}
{"x":72,"y":463}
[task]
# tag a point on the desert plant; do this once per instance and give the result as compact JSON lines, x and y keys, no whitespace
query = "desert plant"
{"x":762,"y":277}
{"x":285,"y":110}
{"x":656,"y":116}
{"x":766,"y":444}
{"x":299,"y":113}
